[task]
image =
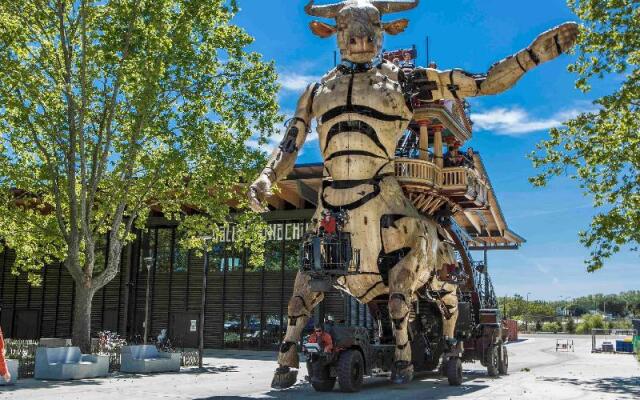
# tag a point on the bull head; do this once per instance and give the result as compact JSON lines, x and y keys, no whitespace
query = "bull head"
{"x":359,"y":26}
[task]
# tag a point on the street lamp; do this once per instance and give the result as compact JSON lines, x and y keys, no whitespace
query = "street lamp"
{"x":203,"y":300}
{"x":149,"y":263}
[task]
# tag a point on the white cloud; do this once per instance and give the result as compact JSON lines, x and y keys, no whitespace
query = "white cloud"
{"x":296,"y":82}
{"x":517,"y":122}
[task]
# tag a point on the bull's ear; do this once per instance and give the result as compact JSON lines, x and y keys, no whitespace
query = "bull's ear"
{"x":397,"y":26}
{"x":321,"y":29}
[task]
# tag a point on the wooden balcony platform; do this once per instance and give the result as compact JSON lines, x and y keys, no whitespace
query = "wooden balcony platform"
{"x":466,"y":191}
{"x":429,"y":187}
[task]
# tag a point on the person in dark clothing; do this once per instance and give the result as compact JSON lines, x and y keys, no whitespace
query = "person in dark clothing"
{"x":454,"y":158}
{"x":469,"y":163}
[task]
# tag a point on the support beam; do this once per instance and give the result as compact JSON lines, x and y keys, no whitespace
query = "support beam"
{"x":275,"y":201}
{"x":474,"y":220}
{"x":437,"y":146}
{"x":290,"y":196}
{"x":423,"y":143}
{"x":307,"y":192}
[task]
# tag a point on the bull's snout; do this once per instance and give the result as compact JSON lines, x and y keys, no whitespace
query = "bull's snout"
{"x":362,"y":44}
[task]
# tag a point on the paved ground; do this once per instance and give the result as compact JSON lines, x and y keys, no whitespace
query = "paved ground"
{"x":536,"y":372}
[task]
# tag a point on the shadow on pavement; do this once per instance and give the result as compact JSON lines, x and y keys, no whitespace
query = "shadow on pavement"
{"x":428,"y":386}
{"x":242,"y":355}
{"x":623,"y":386}
{"x":211,"y":370}
{"x":49,"y":384}
{"x":38,"y":384}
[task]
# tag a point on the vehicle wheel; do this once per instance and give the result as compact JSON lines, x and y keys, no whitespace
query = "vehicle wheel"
{"x":453,"y":368}
{"x":319,"y":377}
{"x":503,"y":363}
{"x":350,"y":371}
{"x":492,"y":361}
{"x":324,"y":386}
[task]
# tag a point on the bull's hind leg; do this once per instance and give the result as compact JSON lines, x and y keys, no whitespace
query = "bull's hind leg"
{"x":301,"y":306}
{"x":449,"y":297}
{"x":449,"y":319}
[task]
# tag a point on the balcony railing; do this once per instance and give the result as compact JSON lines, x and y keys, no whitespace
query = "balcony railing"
{"x":454,"y":177}
{"x":419,"y":172}
{"x":460,"y":184}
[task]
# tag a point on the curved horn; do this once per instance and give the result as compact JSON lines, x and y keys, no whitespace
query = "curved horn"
{"x":326,"y":11}
{"x":388,"y":7}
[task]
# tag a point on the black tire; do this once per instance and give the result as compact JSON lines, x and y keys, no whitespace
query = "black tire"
{"x":503,"y":363}
{"x":324,"y":386}
{"x":453,"y":368}
{"x":350,"y":371}
{"x":319,"y":376}
{"x":492,"y":361}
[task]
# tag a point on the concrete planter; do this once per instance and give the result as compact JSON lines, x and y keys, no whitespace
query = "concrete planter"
{"x":147,"y":359}
{"x":67,"y":363}
{"x":13,"y":370}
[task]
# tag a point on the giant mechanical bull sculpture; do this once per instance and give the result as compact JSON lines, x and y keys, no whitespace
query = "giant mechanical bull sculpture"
{"x":362,"y":108}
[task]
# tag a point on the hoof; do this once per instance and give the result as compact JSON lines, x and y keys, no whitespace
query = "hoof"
{"x":402,"y":373}
{"x":284,"y":378}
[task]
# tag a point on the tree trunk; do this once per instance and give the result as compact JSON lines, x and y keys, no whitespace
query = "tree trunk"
{"x":82,"y":318}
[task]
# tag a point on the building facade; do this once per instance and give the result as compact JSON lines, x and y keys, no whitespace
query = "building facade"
{"x":245,"y":307}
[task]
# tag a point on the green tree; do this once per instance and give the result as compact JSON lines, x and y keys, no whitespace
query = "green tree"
{"x":590,"y":322}
{"x":538,"y":326}
{"x":112,"y":108}
{"x":601,"y":148}
{"x":570,"y":326}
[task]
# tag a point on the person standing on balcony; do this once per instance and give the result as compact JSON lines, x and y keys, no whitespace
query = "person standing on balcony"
{"x":454,"y":158}
{"x":469,"y":163}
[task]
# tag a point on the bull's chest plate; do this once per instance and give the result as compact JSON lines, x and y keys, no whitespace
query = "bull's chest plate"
{"x":360,"y":117}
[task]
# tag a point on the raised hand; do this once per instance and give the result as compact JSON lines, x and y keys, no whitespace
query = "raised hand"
{"x":554,"y":42}
{"x":258,"y":190}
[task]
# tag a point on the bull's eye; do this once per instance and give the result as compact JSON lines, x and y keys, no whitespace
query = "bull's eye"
{"x":370,"y":39}
{"x":352,"y":41}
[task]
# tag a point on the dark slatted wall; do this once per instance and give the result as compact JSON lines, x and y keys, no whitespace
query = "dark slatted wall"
{"x":7,"y":291}
{"x":51,"y":293}
{"x":214,"y":312}
{"x":252,"y":307}
{"x":246,"y":306}
{"x":274,"y":304}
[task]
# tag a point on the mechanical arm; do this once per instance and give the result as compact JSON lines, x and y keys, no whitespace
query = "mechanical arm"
{"x":284,"y":157}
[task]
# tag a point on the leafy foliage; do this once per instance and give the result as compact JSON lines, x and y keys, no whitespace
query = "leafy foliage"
{"x":590,"y":322}
{"x":601,"y":148}
{"x":553,"y":327}
{"x":625,"y":304}
{"x":114,"y":109}
{"x":570,"y":326}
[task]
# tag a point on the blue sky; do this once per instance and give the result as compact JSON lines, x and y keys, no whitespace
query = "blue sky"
{"x":473,"y":34}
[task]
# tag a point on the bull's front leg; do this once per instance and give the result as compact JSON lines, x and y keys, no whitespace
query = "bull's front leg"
{"x":300,"y":309}
{"x":400,"y":295}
